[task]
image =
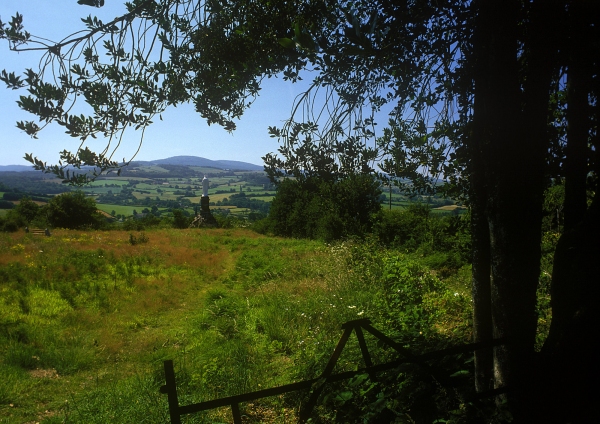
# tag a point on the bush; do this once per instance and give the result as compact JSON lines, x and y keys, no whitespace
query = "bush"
{"x":8,"y":226}
{"x":444,"y":242}
{"x":5,"y":204}
{"x":325,"y":210}
{"x":262,"y":226}
{"x":181,"y":219}
{"x":230,"y":221}
{"x":403,"y":229}
{"x":133,"y":225}
{"x":140,"y":239}
{"x":73,"y":210}
{"x":27,"y":209}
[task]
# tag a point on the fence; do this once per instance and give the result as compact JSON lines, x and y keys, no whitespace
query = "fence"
{"x":38,"y":231}
{"x":318,"y":384}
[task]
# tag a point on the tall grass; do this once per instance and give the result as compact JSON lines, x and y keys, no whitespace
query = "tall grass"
{"x":86,"y":319}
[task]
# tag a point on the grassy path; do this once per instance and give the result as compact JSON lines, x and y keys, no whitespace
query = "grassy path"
{"x":86,"y":319}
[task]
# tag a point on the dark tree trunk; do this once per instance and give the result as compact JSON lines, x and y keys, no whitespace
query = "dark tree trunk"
{"x":480,"y":232}
{"x":569,"y":349}
{"x":513,"y":164}
{"x":578,"y":86}
{"x":573,"y":390}
{"x":481,"y":288}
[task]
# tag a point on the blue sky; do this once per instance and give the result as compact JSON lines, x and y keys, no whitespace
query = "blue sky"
{"x":182,"y":131}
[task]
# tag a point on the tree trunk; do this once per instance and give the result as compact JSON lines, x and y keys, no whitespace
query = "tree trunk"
{"x":481,"y":292}
{"x":513,"y":192}
{"x":579,"y":79}
{"x":573,"y":390}
{"x":573,"y":361}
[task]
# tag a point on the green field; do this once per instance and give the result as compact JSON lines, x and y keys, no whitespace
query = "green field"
{"x":119,"y":210}
{"x":151,"y":185}
{"x":219,"y":197}
{"x":87,"y":318}
{"x":208,"y":171}
{"x":264,"y":198}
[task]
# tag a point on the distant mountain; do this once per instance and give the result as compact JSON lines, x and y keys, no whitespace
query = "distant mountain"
{"x":175,"y":160}
{"x":198,"y":161}
{"x":16,"y":168}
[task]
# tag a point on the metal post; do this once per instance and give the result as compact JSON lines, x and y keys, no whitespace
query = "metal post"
{"x":235,"y":411}
{"x":312,"y":401}
{"x":365,"y":351}
{"x":170,"y":389}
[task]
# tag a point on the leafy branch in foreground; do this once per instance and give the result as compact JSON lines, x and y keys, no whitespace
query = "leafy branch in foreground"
{"x":69,"y":162}
{"x":156,"y":55}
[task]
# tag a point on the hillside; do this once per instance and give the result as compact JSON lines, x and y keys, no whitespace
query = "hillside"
{"x":200,"y":161}
{"x":174,"y":160}
{"x":235,"y":188}
{"x":87,"y":318}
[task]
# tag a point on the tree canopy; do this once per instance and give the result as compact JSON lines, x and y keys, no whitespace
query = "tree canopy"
{"x":497,"y":98}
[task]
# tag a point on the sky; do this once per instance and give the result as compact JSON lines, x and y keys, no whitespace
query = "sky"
{"x":181,"y":132}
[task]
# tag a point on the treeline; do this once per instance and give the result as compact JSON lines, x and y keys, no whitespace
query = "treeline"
{"x":310,"y":208}
{"x":242,"y":200}
{"x":10,"y":195}
{"x":69,"y":210}
{"x":75,"y":210}
{"x":126,"y":198}
{"x":172,"y":171}
{"x":350,"y":208}
{"x":30,"y":182}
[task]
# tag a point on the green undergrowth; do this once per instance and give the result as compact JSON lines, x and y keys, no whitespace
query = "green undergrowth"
{"x":87,"y":319}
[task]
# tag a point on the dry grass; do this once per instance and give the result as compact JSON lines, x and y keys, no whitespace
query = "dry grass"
{"x":210,"y":299}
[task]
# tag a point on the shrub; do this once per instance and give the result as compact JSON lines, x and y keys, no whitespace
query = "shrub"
{"x":73,"y":210}
{"x":8,"y":226}
{"x":140,"y":239}
{"x":406,"y":229}
{"x":133,"y":225}
{"x":262,"y":226}
{"x":231,"y":221}
{"x":27,"y":209}
{"x":5,"y":204}
{"x":414,"y":229}
{"x":180,"y":219}
{"x":326,"y":210}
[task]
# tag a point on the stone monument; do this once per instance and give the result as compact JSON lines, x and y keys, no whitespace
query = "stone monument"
{"x":205,"y":214}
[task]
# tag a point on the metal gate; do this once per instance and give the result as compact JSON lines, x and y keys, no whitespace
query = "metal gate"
{"x":318,"y":384}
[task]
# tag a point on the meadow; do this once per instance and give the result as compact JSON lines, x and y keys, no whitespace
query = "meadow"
{"x":87,"y":318}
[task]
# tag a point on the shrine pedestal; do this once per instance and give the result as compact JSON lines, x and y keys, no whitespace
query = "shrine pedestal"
{"x":205,"y":213}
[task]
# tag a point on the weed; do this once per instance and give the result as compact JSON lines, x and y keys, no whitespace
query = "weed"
{"x":89,"y":317}
{"x":142,"y":238}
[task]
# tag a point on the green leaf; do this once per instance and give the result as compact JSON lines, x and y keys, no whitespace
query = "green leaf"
{"x":460,"y":373}
{"x":344,"y":396}
{"x":288,"y":43}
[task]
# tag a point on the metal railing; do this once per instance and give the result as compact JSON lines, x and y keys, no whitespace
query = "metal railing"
{"x":318,"y":384}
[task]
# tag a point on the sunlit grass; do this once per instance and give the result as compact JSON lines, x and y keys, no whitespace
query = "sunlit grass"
{"x":86,"y":319}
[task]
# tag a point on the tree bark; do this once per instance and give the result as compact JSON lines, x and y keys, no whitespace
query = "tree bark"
{"x":578,"y":86}
{"x":513,"y":164}
{"x":573,"y":390}
{"x":573,"y":362}
{"x":481,"y":290}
